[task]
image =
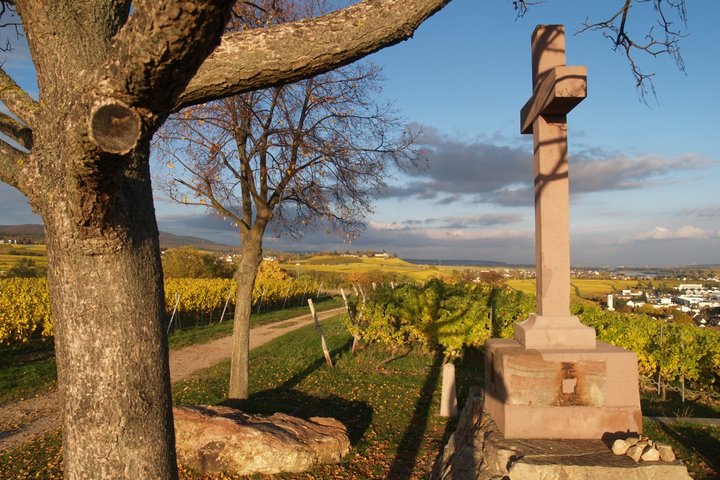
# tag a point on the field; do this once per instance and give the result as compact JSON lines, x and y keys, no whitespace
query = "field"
{"x":580,"y":287}
{"x":338,"y":264}
{"x":11,"y":254}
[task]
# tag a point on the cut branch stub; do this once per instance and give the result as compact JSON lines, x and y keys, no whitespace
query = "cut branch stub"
{"x":114,"y":127}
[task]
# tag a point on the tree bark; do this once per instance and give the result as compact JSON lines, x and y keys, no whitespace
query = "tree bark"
{"x":251,"y":256}
{"x":259,"y":58}
{"x":110,"y":343}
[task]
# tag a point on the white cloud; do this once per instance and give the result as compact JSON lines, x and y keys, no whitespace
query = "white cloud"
{"x":387,"y":226}
{"x":503,"y":234}
{"x":686,"y":232}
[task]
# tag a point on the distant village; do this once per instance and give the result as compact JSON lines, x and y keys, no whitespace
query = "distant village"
{"x":698,"y":302}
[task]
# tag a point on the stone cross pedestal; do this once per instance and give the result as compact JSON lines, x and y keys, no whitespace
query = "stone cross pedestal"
{"x":554,"y":380}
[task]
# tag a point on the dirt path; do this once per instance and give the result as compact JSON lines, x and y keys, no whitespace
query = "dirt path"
{"x":24,"y":420}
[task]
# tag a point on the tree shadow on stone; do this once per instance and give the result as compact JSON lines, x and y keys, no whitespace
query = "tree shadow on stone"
{"x":409,"y":445}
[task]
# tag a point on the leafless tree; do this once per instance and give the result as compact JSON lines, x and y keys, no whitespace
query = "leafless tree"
{"x":309,"y":154}
{"x":109,"y":73}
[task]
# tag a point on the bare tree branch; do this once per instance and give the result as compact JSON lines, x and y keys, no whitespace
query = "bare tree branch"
{"x":10,"y":22}
{"x":12,"y":166}
{"x":260,"y":58}
{"x":663,"y":41}
{"x":22,"y":134}
{"x":17,"y":100}
{"x":661,"y":38}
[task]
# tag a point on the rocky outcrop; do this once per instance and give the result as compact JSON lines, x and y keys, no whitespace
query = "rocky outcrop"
{"x":214,"y":439}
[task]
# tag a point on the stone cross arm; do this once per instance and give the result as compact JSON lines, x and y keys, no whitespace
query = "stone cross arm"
{"x":557,"y":93}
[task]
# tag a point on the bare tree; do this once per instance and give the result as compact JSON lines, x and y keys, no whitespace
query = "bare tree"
{"x":108,"y":77}
{"x":309,"y":154}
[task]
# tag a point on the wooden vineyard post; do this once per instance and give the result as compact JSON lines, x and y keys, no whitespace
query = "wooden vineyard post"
{"x":356,"y":340}
{"x":328,"y":360}
{"x":448,"y":400}
{"x":222,"y":316}
{"x":172,"y":317}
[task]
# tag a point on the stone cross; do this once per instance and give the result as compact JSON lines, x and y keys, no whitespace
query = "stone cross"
{"x":557,"y":89}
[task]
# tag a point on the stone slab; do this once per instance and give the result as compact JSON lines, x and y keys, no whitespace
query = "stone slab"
{"x":477,"y":450}
{"x":582,"y":460}
{"x":554,"y":331}
{"x":562,"y":393}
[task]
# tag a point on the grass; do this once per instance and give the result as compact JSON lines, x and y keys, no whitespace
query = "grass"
{"x":699,"y":445}
{"x":390,"y":414}
{"x":29,"y":370}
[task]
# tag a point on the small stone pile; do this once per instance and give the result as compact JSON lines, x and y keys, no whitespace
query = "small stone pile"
{"x":642,"y":448}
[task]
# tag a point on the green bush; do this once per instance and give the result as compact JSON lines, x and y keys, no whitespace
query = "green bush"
{"x":437,"y":314}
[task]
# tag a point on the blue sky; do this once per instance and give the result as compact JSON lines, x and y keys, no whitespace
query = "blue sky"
{"x":643,"y":178}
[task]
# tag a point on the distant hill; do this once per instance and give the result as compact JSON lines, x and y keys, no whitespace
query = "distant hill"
{"x":170,"y":240}
{"x":28,"y":232}
{"x":458,"y":263}
{"x":34,"y":233}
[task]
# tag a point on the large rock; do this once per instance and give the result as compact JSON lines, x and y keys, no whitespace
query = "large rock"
{"x":214,"y":439}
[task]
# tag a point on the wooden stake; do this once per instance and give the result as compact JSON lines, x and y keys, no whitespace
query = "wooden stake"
{"x":177,"y":302}
{"x":222,"y":316}
{"x":356,"y":340}
{"x":328,"y":360}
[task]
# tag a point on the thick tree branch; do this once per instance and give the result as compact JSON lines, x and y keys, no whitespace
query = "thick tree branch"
{"x":17,"y":100}
{"x":278,"y":55}
{"x":12,"y":166}
{"x":22,"y":134}
{"x":158,"y":50}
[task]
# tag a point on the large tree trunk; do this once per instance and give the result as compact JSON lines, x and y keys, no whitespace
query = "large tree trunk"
{"x":251,"y":256}
{"x":111,"y":349}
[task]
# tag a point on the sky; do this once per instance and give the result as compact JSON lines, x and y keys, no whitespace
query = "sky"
{"x":643,"y":177}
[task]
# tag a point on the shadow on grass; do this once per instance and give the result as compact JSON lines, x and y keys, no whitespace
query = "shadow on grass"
{"x":297,"y":378}
{"x":702,"y":443}
{"x":653,"y":406}
{"x":409,"y":446}
{"x":354,"y":414}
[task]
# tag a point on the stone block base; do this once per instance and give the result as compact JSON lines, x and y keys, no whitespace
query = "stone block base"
{"x":554,"y":331}
{"x":478,"y":451}
{"x":561,"y":393}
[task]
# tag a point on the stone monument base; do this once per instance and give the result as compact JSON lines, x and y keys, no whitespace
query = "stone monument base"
{"x":478,"y":451}
{"x":561,"y":393}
